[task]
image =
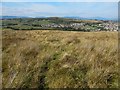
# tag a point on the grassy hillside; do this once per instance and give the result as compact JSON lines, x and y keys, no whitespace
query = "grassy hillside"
{"x":57,"y":23}
{"x":58,"y":59}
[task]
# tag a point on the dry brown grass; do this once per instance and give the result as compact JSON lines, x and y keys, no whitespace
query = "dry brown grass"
{"x":58,"y":59}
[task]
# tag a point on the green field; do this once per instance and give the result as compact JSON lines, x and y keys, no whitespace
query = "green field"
{"x":53,"y":23}
{"x":58,"y":59}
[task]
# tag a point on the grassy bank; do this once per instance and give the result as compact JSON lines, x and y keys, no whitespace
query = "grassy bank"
{"x":58,"y":59}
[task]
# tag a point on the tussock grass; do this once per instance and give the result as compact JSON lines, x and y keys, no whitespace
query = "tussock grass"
{"x":58,"y":59}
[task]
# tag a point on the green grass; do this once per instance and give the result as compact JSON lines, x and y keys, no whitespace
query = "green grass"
{"x":58,"y":59}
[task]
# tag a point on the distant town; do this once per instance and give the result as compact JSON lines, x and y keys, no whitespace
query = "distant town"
{"x":57,"y":23}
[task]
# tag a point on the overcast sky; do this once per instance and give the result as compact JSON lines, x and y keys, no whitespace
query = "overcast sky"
{"x":81,"y":9}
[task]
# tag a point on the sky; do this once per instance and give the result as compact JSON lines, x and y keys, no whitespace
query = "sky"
{"x":60,"y":0}
{"x":60,"y":9}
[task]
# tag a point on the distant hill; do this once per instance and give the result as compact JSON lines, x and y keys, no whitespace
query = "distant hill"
{"x":12,"y":17}
{"x":90,"y":18}
{"x":70,"y":17}
{"x":73,"y":17}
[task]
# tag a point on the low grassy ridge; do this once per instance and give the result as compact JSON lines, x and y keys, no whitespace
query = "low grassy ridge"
{"x":58,"y":59}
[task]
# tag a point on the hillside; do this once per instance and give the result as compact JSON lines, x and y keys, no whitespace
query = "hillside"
{"x":58,"y":59}
{"x":57,"y":23}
